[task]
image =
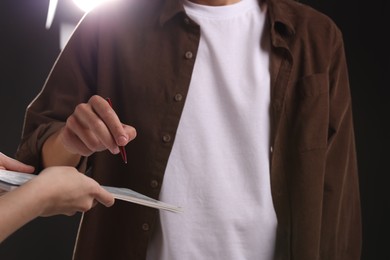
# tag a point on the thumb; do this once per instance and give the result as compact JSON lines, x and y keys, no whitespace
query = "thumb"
{"x":130,"y":134}
{"x":104,"y":197}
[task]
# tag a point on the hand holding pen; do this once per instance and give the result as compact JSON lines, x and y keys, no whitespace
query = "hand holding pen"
{"x":94,"y":126}
{"x":121,"y":148}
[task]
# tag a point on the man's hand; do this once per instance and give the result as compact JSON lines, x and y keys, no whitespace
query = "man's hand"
{"x":93,"y":127}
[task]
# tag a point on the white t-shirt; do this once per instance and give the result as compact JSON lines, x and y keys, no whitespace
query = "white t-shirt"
{"x":218,"y":171}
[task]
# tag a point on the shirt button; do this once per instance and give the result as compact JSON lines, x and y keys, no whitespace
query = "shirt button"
{"x":178,"y":97}
{"x":145,"y":227}
{"x":186,"y":20}
{"x":166,"y":138}
{"x":154,"y":184}
{"x":188,"y":55}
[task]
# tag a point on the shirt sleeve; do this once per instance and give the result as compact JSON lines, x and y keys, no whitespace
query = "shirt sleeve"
{"x":341,"y":205}
{"x":71,"y":81}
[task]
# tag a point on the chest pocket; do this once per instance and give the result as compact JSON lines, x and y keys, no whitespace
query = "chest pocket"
{"x":307,"y":110}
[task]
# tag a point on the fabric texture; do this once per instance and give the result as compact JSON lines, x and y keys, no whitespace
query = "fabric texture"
{"x":141,"y":54}
{"x":218,"y":169}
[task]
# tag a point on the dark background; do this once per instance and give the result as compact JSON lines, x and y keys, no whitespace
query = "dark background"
{"x":28,"y":51}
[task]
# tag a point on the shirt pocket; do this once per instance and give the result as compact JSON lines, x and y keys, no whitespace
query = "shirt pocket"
{"x":307,"y":110}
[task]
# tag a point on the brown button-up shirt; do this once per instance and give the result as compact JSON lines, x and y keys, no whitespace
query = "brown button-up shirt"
{"x":141,"y":54}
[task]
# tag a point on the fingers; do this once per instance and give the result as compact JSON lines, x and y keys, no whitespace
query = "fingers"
{"x":11,"y":164}
{"x":104,"y":197}
{"x":94,"y":126}
{"x":111,"y":120}
{"x":99,"y":195}
{"x":130,"y":132}
{"x":121,"y":133}
{"x":96,"y":193}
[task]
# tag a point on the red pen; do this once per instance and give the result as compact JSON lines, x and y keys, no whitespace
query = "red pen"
{"x":121,"y":148}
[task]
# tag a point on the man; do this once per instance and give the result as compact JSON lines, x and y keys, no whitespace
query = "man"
{"x":243,"y":117}
{"x":56,"y":190}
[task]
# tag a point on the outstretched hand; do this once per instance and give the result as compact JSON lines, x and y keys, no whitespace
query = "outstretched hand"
{"x":64,"y":190}
{"x":56,"y":190}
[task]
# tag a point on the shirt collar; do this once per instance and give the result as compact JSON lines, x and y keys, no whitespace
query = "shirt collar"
{"x":282,"y":21}
{"x":170,"y":9}
{"x":280,"y":15}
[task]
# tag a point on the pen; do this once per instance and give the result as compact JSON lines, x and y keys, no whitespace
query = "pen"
{"x":121,"y":148}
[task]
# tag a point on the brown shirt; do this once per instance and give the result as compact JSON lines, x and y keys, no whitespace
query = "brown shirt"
{"x":141,"y":54}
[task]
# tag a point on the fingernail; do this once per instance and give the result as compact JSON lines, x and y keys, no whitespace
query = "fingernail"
{"x":122,"y":140}
{"x":116,"y":150}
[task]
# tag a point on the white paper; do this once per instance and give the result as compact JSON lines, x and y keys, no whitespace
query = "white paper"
{"x":10,"y":180}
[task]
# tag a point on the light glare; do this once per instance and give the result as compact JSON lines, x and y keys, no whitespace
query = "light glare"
{"x":88,"y":5}
{"x":51,"y":12}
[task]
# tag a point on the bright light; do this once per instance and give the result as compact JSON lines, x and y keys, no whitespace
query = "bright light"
{"x":51,"y":12}
{"x":88,"y":5}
